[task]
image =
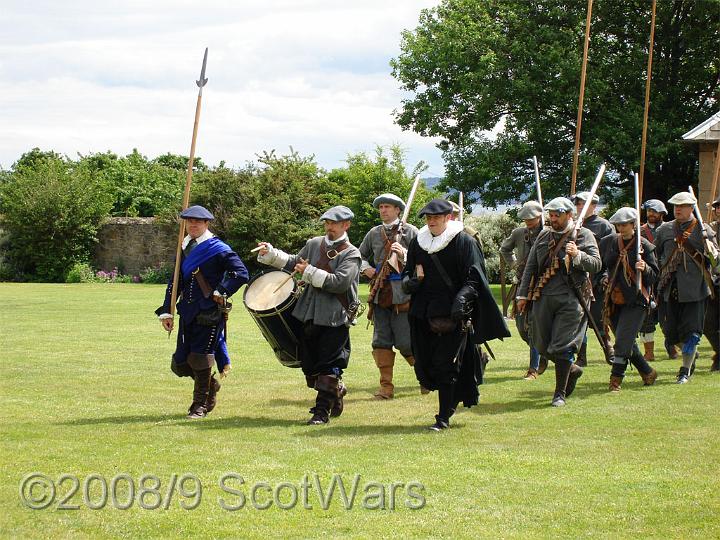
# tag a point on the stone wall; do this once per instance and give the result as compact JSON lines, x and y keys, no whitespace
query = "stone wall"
{"x":133,"y":244}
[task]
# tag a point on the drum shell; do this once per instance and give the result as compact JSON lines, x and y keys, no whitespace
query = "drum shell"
{"x":280,"y":329}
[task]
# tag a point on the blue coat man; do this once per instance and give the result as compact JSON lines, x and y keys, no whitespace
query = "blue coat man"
{"x":210,"y":272}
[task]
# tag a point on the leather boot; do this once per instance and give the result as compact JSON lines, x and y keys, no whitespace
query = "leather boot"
{"x":672,"y":351}
{"x":562,"y":373}
{"x":543,"y":365}
{"x":715,"y":364}
{"x":201,"y":392}
{"x":201,"y":365}
{"x":385,"y":360}
{"x":338,"y":406}
{"x":649,"y":351}
{"x":615,"y":383}
{"x":575,"y":373}
{"x":212,"y":394}
{"x":649,"y":378}
{"x":411,"y":361}
{"x":328,"y":391}
{"x":582,"y":356}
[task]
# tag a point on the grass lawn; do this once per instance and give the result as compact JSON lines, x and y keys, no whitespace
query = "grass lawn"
{"x":86,"y":388}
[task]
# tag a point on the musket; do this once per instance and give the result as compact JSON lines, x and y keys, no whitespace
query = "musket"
{"x":188,"y":181}
{"x":638,"y":280}
{"x":710,"y":250}
{"x":584,"y":211}
{"x":537,"y":181}
{"x":461,"y":204}
{"x":393,"y":260}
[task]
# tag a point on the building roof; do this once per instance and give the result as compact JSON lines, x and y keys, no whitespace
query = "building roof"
{"x":709,"y":130}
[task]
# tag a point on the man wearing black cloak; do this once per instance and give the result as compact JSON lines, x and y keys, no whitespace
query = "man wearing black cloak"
{"x":451,"y":309}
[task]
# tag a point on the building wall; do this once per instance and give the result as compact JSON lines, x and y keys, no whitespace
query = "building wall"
{"x":133,"y":244}
{"x":707,"y":154}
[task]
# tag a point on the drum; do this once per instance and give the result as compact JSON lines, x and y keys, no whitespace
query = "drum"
{"x":270,"y":303}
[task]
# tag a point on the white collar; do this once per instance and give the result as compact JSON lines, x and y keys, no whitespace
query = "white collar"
{"x":388,"y":225}
{"x":200,"y":239}
{"x":329,"y":242}
{"x":433,"y":244}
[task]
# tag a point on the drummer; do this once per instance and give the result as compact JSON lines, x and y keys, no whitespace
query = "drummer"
{"x":330,"y":267}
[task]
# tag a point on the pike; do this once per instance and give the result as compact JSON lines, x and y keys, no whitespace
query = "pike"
{"x":461,"y":204}
{"x":393,"y":259}
{"x":602,"y":340}
{"x":537,"y":181}
{"x":638,"y":280}
{"x":188,"y":181}
{"x":710,"y":250}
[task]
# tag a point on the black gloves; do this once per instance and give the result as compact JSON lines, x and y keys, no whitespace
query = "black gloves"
{"x":463,"y":304}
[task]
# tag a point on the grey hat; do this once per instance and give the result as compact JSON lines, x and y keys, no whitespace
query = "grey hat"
{"x":196,"y":212}
{"x":338,"y":213}
{"x":583,"y":196}
{"x":530,"y":210}
{"x":436,"y":207}
{"x":560,"y":204}
{"x":455,"y":207}
{"x":655,"y":204}
{"x":389,"y":198}
{"x":682,"y":197}
{"x":625,"y":215}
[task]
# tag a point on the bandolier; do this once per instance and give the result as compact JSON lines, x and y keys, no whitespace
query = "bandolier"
{"x":552,"y":293}
{"x":625,"y":306}
{"x":685,"y":282}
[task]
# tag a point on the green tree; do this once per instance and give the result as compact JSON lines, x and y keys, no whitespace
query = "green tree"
{"x":139,"y":186}
{"x":364,"y":178}
{"x":472,"y":66}
{"x":51,"y":209}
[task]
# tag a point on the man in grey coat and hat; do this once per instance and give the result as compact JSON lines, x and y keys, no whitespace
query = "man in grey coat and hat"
{"x":655,"y":212}
{"x":330,"y":268}
{"x":626,"y":305}
{"x":600,"y":227}
{"x":515,"y":250}
{"x":389,"y":303}
{"x":685,"y":281}
{"x":711,"y":328}
{"x":557,"y":319}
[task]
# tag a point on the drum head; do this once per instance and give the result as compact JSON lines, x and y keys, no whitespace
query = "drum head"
{"x":261,"y":293}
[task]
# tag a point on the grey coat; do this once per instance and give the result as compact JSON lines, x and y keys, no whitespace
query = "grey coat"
{"x":691,"y":285}
{"x":589,"y":262}
{"x":372,"y":251}
{"x":516,"y":247}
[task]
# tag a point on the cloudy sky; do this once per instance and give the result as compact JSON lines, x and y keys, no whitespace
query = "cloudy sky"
{"x":86,"y":76}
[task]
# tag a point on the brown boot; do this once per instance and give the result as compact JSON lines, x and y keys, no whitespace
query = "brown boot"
{"x":649,"y":378}
{"x":615,"y":383}
{"x":531,"y":374}
{"x":385,"y":360}
{"x":672,"y":351}
{"x":649,"y":351}
{"x":212,"y":394}
{"x":338,"y":406}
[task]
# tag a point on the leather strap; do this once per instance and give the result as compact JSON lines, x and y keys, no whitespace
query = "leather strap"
{"x":323,"y":263}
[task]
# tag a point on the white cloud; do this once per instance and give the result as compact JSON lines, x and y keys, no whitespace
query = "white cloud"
{"x":82,"y":77}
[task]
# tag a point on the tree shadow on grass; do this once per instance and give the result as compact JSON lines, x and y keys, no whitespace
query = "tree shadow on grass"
{"x":125,"y":419}
{"x":340,"y":430}
{"x":180,"y":419}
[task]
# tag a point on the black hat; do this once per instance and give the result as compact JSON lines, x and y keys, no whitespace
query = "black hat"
{"x":436,"y":207}
{"x":196,"y":212}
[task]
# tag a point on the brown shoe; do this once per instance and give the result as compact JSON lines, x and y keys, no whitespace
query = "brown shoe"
{"x":672,"y":352}
{"x":715,"y":364}
{"x":531,"y":374}
{"x":649,"y":379}
{"x":543,"y":365}
{"x":424,"y":391}
{"x":649,"y":351}
{"x":615,"y":383}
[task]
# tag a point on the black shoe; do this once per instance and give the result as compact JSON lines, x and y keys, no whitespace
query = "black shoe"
{"x":197,"y":410}
{"x":338,"y":406}
{"x":319,"y":417}
{"x":440,"y":424}
{"x":575,"y":373}
{"x":683,"y":376}
{"x":582,"y":356}
{"x":558,"y":400}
